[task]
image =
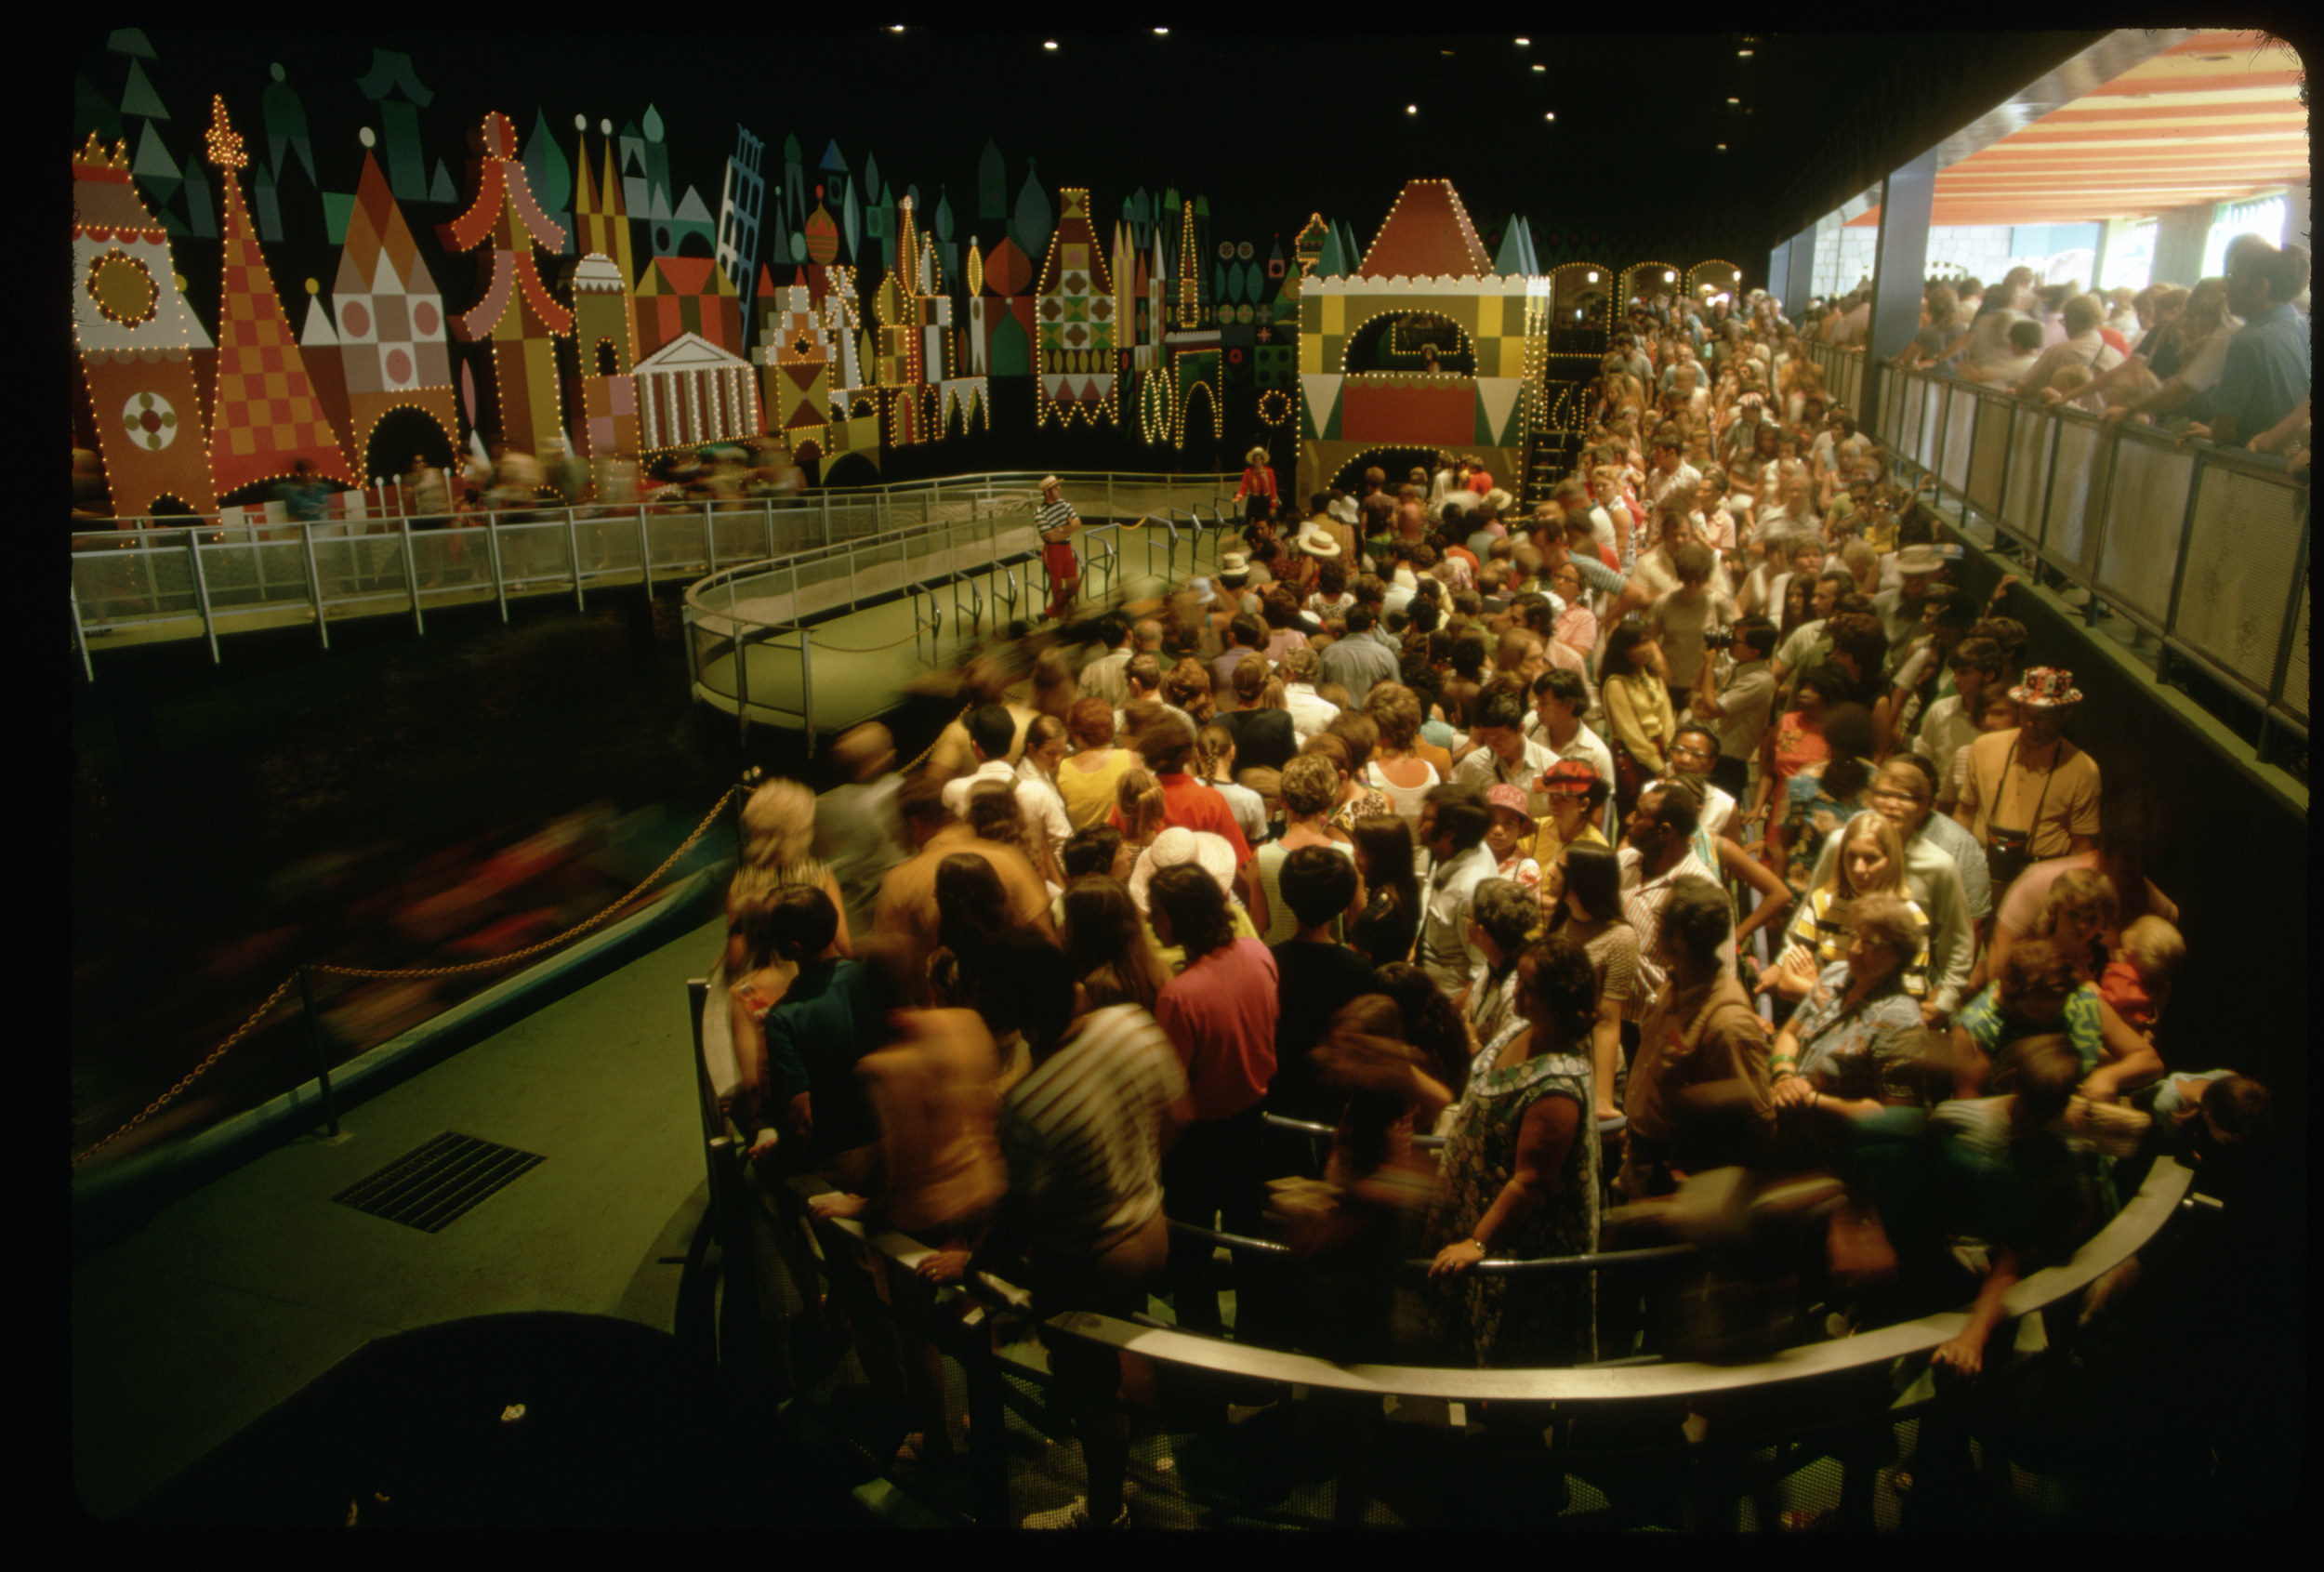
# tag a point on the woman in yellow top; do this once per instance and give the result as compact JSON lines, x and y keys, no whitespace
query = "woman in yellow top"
{"x":1638,"y":707}
{"x":1086,"y":779}
{"x":1576,"y":793}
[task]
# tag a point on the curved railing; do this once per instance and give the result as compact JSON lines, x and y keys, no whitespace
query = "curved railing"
{"x":1842,"y":1395}
{"x":750,"y":637}
{"x":137,"y":580}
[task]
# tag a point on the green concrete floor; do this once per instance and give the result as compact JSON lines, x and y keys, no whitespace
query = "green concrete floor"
{"x":236,"y":1297}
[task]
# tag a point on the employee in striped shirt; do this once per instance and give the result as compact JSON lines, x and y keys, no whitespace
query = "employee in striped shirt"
{"x":1057,"y":521}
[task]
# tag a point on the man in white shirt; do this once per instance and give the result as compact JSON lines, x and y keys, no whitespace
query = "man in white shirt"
{"x":1102,"y":677}
{"x":2082,"y":347}
{"x":1656,"y":851}
{"x":1666,"y":471}
{"x":1309,"y":713}
{"x":1560,"y":701}
{"x":1451,"y":830}
{"x":1501,"y":754}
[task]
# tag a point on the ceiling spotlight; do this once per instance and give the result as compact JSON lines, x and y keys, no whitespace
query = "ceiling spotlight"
{"x":1049,"y":43}
{"x":1722,"y":147}
{"x":1735,"y":100}
{"x":1160,"y":30}
{"x":1538,"y":66}
{"x":1551,"y":115}
{"x":1412,"y":109}
{"x":1525,"y":43}
{"x":897,"y":27}
{"x":1742,"y":54}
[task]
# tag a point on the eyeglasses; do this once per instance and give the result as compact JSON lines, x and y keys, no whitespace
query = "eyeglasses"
{"x":1888,"y":793}
{"x":1691,"y":751}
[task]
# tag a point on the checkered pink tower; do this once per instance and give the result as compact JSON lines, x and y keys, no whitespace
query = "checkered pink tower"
{"x":265,"y":416}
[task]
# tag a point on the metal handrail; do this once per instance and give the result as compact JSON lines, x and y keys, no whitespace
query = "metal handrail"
{"x":1925,"y":415}
{"x":1607,"y":1261}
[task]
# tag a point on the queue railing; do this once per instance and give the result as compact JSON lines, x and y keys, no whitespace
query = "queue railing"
{"x":983,"y":542}
{"x":2203,"y":549}
{"x":238,"y":570}
{"x":778,"y":1259}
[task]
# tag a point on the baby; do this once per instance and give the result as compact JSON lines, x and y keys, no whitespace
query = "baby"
{"x":2137,"y":981}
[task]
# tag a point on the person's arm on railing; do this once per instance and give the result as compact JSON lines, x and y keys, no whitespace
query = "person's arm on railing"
{"x":1964,"y":1353}
{"x":1543,"y":1138}
{"x":2285,"y":433}
{"x":1775,"y":896}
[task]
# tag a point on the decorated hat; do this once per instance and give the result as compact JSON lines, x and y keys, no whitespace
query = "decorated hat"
{"x":1502,"y":795}
{"x":1050,"y":481}
{"x":1921,"y":559}
{"x":1178,"y":845}
{"x":1569,"y":777}
{"x":1233,"y":565}
{"x":1317,"y":541}
{"x":2047,"y":687}
{"x":1256,"y":456}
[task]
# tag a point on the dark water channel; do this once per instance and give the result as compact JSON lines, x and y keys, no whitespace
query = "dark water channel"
{"x":397,"y":801}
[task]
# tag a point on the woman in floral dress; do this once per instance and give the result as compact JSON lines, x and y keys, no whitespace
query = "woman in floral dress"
{"x":1519,"y":1177}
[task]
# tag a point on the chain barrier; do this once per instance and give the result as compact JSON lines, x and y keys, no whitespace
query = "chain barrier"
{"x":919,"y":626}
{"x":275,"y":997}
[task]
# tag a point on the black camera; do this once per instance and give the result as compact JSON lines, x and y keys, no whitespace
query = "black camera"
{"x":1719,"y":639}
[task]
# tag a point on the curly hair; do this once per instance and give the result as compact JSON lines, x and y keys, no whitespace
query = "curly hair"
{"x":2035,"y":966}
{"x":1430,"y":1023}
{"x":1308,"y":785}
{"x":1091,"y":723}
{"x":1885,"y":919}
{"x":1187,"y":685}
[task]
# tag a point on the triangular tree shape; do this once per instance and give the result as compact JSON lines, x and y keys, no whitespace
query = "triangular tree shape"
{"x":130,"y":41}
{"x":137,"y":97}
{"x":442,"y":190}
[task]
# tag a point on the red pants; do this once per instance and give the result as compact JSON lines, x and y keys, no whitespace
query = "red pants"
{"x":1064,"y":576}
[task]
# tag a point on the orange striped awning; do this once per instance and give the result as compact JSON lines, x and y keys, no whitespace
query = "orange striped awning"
{"x":2213,"y":118}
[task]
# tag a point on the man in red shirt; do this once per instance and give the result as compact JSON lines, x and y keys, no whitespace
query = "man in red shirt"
{"x":1219,"y":1014}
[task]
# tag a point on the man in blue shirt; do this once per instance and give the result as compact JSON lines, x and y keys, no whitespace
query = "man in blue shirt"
{"x":2268,"y":359}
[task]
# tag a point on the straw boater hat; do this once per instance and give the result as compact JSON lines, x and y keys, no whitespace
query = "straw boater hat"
{"x":1256,"y":456}
{"x":2046,"y":687}
{"x":1200,"y":590}
{"x":1315,"y":540}
{"x":1050,"y":482}
{"x":1177,"y":845}
{"x":1499,"y":500}
{"x":1920,"y":560}
{"x":1234,"y":567}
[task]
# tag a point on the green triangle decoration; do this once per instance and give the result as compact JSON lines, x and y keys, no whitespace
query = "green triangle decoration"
{"x":130,"y":41}
{"x":336,"y":207}
{"x":153,"y":165}
{"x":443,"y":190}
{"x":138,"y":98}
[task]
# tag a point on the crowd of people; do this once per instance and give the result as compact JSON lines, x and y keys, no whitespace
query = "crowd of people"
{"x":1689,"y":847}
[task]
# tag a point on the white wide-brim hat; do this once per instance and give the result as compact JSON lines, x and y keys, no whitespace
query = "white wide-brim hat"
{"x":1316,"y":542}
{"x":1178,"y":845}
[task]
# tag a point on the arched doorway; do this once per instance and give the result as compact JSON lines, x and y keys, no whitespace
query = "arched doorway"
{"x":851,"y":469}
{"x":1414,"y":341}
{"x":400,"y":434}
{"x":1395,"y":463}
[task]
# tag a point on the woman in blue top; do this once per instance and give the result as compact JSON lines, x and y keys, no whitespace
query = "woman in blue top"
{"x":2039,"y":992}
{"x":1855,"y":1044}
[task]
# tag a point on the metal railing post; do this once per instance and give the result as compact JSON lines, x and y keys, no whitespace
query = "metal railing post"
{"x":645,"y":554}
{"x":709,"y":543}
{"x":315,"y":1041}
{"x":2284,"y":639}
{"x":492,"y":551}
{"x":80,"y":640}
{"x":742,"y":686}
{"x":314,"y":583}
{"x":807,"y":684}
{"x":573,"y":555}
{"x":825,"y":500}
{"x":411,"y":574}
{"x":202,"y":592}
{"x":766,"y":521}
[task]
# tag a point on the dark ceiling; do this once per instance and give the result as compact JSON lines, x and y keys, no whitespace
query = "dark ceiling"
{"x":1269,"y":127}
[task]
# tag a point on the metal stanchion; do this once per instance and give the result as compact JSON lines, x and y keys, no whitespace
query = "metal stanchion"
{"x":315,"y":1041}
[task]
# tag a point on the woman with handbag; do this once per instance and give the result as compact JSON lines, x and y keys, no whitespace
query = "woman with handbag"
{"x":1637,"y":705}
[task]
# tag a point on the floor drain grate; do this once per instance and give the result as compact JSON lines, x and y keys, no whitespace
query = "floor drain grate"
{"x":428,"y":1187}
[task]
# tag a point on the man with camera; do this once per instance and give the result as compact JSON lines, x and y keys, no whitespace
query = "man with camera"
{"x":1739,"y":712}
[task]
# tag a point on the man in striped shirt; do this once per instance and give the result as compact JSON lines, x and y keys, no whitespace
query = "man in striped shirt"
{"x":1057,"y":521}
{"x":1082,"y":1135}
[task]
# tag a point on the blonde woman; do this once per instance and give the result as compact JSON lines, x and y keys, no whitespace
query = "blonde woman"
{"x":1138,"y":796}
{"x":2079,"y":915}
{"x":1310,"y":788}
{"x":778,"y":827}
{"x":1871,"y":862}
